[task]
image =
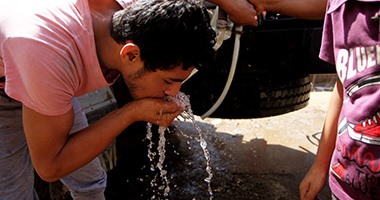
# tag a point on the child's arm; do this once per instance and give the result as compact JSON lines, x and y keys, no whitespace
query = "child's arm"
{"x":316,"y":177}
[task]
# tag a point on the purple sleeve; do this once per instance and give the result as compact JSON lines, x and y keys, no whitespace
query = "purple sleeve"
{"x":327,"y":48}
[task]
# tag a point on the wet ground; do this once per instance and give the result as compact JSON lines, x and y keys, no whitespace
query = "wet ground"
{"x":258,"y":159}
{"x":263,"y":158}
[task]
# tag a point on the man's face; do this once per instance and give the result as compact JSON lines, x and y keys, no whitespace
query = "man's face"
{"x":143,"y":83}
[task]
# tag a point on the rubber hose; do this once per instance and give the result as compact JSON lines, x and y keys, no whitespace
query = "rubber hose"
{"x":235,"y":56}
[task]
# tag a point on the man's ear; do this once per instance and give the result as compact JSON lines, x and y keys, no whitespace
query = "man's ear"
{"x":130,"y":52}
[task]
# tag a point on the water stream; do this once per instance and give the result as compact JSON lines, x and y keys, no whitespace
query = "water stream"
{"x":182,"y":100}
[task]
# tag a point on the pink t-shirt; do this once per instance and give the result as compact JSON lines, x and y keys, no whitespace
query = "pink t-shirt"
{"x":47,"y":53}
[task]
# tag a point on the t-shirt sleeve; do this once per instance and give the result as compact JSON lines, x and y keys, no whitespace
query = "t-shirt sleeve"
{"x":40,"y":76}
{"x":327,"y":49}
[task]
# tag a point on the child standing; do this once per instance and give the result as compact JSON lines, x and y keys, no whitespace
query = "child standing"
{"x":350,"y":144}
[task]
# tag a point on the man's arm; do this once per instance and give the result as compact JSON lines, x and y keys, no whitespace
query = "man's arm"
{"x":55,"y":153}
{"x":241,"y":12}
{"x":244,"y":12}
{"x":303,"y":9}
{"x":315,"y":179}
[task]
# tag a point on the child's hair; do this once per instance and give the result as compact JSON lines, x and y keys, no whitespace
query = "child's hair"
{"x":168,"y":32}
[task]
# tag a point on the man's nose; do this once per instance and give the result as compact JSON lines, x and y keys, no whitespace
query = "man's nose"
{"x":173,"y":89}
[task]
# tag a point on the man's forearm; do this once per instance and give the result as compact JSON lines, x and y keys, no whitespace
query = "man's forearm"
{"x":55,"y":153}
{"x":304,"y":9}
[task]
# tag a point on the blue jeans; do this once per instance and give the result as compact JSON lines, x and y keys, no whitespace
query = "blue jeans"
{"x":16,"y":169}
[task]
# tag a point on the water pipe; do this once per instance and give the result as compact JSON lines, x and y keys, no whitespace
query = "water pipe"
{"x":235,"y":55}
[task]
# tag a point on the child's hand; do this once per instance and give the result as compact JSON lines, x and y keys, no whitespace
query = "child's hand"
{"x":312,"y":183}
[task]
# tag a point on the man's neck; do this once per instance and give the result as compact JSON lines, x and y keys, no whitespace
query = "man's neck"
{"x":104,"y":6}
{"x":101,"y":13}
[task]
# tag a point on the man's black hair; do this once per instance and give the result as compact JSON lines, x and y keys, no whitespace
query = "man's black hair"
{"x":168,"y":32}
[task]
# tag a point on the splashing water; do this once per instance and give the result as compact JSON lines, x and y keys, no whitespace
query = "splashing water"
{"x":182,"y":100}
{"x":160,"y":164}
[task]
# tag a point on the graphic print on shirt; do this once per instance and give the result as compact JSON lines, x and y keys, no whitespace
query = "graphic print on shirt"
{"x":357,"y":159}
{"x":350,"y":63}
{"x":355,"y":163}
{"x":368,"y":131}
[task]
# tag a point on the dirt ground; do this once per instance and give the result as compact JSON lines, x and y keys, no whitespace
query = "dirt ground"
{"x":262,"y":158}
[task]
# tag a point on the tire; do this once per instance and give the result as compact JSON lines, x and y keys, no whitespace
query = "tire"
{"x":271,"y":78}
{"x":286,"y":97}
{"x":261,"y":97}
